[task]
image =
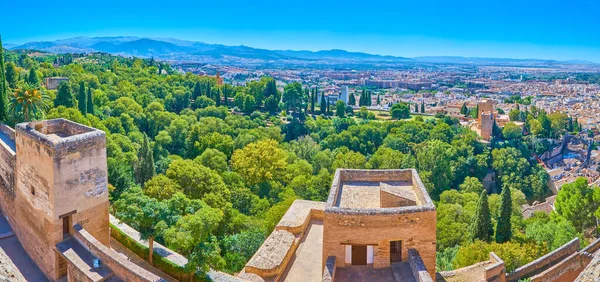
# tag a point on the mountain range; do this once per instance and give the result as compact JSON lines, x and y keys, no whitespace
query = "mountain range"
{"x":192,"y":51}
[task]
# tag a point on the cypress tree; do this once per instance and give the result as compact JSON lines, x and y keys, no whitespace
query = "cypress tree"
{"x":11,"y":74}
{"x":90,"y":101}
{"x":323,"y":104}
{"x":145,"y":167}
{"x":379,"y":103}
{"x":197,"y":90}
{"x":33,"y":79}
{"x":64,"y":97}
{"x":82,"y":98}
{"x":463,"y":109}
{"x":504,"y":227}
{"x":481,"y":226}
{"x":352,"y":100}
{"x":3,"y":88}
{"x":416,"y":105}
{"x":423,"y":107}
{"x":312,"y":100}
{"x":217,"y":97}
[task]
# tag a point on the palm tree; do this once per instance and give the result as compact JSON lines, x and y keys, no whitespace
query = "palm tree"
{"x":28,"y":101}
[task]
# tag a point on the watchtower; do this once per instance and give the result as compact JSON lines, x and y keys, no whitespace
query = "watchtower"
{"x":61,"y":180}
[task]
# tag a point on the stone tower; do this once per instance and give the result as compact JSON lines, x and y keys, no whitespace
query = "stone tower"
{"x":486,"y":122}
{"x":61,"y":180}
{"x":485,"y":106}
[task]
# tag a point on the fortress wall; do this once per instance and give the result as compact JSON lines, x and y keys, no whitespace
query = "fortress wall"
{"x":549,"y":259}
{"x":119,"y":265}
{"x":7,"y":161}
{"x":565,"y":270}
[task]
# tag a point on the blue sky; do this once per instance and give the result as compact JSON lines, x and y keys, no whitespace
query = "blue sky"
{"x":547,"y":29}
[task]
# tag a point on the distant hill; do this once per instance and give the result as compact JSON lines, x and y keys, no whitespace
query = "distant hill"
{"x":170,"y":48}
{"x":183,"y":50}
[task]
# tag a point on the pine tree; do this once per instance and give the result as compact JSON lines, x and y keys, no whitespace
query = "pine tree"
{"x":481,"y":226}
{"x":33,"y":79}
{"x":90,"y":102}
{"x":64,"y":96}
{"x":12,"y":77}
{"x":423,"y":107}
{"x":504,"y":227}
{"x":82,"y":98}
{"x":3,"y":87}
{"x":352,"y":100}
{"x":323,"y":104}
{"x":145,"y":166}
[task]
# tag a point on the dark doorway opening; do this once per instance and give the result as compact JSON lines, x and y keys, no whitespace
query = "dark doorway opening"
{"x":66,"y":226}
{"x":395,"y":251}
{"x":359,"y":255}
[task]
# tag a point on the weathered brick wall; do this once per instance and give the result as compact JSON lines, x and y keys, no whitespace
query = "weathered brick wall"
{"x":74,"y":274}
{"x":416,"y":230}
{"x":547,"y":260}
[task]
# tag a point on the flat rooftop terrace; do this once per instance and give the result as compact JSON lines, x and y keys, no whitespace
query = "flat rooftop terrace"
{"x":369,"y":194}
{"x":367,"y":191}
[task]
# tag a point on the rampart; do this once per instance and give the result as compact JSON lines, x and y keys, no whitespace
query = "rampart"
{"x":544,"y":262}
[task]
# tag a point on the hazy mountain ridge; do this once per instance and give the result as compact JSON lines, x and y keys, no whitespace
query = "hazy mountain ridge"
{"x":176,"y":49}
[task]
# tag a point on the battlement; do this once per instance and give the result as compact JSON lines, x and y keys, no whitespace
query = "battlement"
{"x":62,"y":134}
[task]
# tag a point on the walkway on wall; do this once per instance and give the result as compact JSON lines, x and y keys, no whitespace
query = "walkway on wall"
{"x":15,"y":264}
{"x":9,"y":142}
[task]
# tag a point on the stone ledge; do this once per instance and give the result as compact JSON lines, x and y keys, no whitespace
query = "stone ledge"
{"x":329,"y":271}
{"x":269,"y":259}
{"x":298,"y":214}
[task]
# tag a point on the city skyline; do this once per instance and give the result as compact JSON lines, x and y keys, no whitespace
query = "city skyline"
{"x":532,"y":30}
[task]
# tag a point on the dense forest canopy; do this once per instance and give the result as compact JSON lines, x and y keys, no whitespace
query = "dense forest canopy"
{"x":209,"y":169}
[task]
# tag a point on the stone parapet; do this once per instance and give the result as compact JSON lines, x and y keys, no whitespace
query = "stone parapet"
{"x":417,"y":267}
{"x":119,"y":265}
{"x":545,"y":261}
{"x":565,"y":269}
{"x":329,"y":270}
{"x":273,"y":255}
{"x":495,"y":272}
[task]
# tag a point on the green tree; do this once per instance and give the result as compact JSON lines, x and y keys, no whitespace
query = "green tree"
{"x":213,"y":159}
{"x":504,"y":227}
{"x":194,"y":237}
{"x":512,"y":131}
{"x":161,"y":187}
{"x":145,"y":166}
{"x":313,"y":99}
{"x":33,"y":78}
{"x":90,"y":102}
{"x":481,"y":225}
{"x":340,"y":109}
{"x":463,"y":109}
{"x":64,"y":96}
{"x":423,"y":107}
{"x":82,"y":98}
{"x":400,"y":111}
{"x":28,"y":102}
{"x":12,"y":76}
{"x":146,"y":215}
{"x":293,"y":97}
{"x":259,"y":162}
{"x":323,"y":104}
{"x":471,"y":185}
{"x":575,"y":203}
{"x":351,"y":100}
{"x":3,"y":86}
{"x":195,"y":180}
